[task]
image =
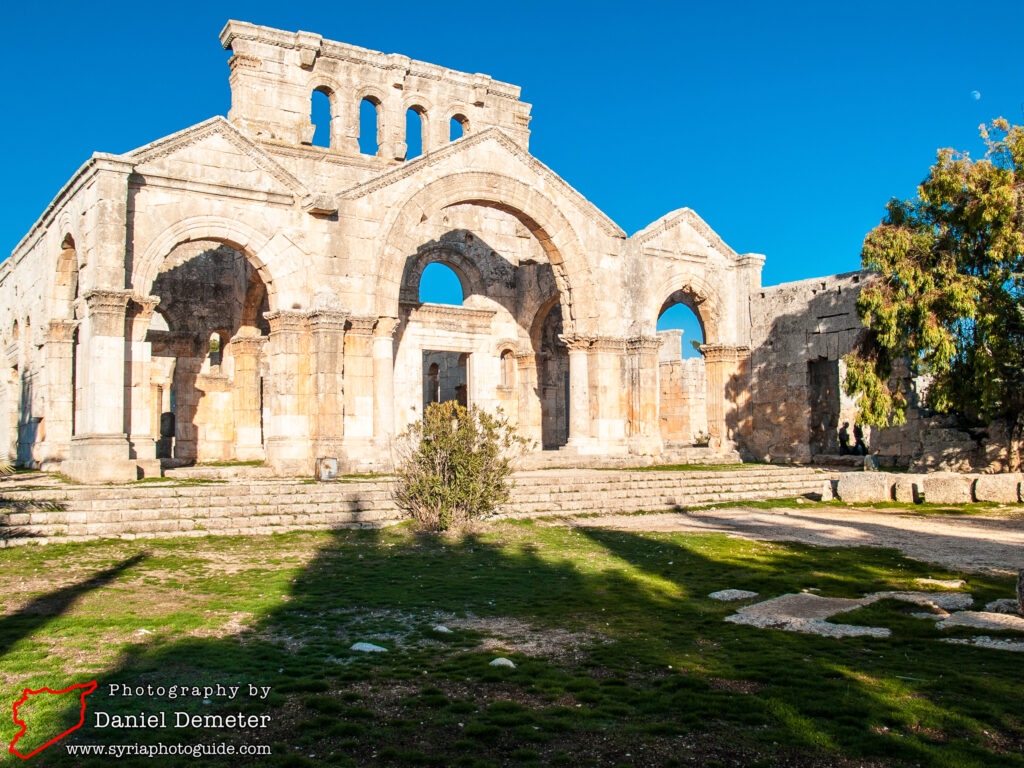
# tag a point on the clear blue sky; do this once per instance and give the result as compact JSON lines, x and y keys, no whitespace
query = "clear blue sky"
{"x":785,"y":126}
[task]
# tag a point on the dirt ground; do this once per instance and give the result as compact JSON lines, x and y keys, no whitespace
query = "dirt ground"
{"x":960,"y":542}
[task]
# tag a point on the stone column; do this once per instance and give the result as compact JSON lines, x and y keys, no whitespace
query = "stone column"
{"x":644,"y":429}
{"x":100,"y":449}
{"x":727,"y":369}
{"x":60,"y":351}
{"x":288,"y":430}
{"x":246,"y":401}
{"x":327,"y":415}
{"x":530,"y":423}
{"x":384,"y":386}
{"x":138,"y":392}
{"x":607,"y":393}
{"x":359,"y":397}
{"x":580,"y":438}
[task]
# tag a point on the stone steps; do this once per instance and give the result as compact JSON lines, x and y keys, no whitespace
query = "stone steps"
{"x":65,"y":512}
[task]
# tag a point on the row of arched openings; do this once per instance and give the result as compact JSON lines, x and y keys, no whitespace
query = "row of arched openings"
{"x":371,"y":125}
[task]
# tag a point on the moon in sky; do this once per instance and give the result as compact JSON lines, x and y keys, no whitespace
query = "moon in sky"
{"x":975,"y":95}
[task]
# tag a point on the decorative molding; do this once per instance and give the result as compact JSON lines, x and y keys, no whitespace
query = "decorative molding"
{"x":449,"y":318}
{"x":385,"y":327}
{"x":287,"y":321}
{"x":643,"y":344}
{"x":247,"y":345}
{"x":218,"y":126}
{"x":577,"y":343}
{"x":327,"y":320}
{"x":609,"y":344}
{"x":690,"y":218}
{"x":497,"y":135}
{"x":361,"y":325}
{"x":62,"y":331}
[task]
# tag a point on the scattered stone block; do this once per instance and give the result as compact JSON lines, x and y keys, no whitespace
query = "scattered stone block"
{"x":1004,"y":489}
{"x":861,"y":487}
{"x":442,"y":629}
{"x":501,"y":661}
{"x":1004,"y":605}
{"x":368,"y":648}
{"x":907,"y":489}
{"x":732,"y":594}
{"x":944,"y":601}
{"x":805,"y":613}
{"x":948,"y":488}
{"x":944,"y":583}
{"x":984,"y":620}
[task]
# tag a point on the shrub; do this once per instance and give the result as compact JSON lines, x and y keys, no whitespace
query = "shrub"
{"x":455,"y":465}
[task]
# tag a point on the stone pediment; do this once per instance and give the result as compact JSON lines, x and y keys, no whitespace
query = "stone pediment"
{"x":215,"y":152}
{"x":681,"y":234}
{"x":453,"y":154}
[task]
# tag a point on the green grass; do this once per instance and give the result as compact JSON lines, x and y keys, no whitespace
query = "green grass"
{"x":631,"y":664}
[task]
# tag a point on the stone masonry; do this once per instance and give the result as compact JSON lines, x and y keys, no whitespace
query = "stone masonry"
{"x":234,"y":293}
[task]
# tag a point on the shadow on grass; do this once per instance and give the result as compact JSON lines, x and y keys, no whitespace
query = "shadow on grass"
{"x":659,"y":674}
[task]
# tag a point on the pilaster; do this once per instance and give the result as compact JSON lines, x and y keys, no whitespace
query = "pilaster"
{"x":288,"y":355}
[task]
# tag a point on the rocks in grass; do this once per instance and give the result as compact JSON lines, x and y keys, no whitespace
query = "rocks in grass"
{"x":1004,"y":605}
{"x":501,"y":661}
{"x":944,"y":601}
{"x":983,"y":620}
{"x":368,"y":648}
{"x":984,"y":641}
{"x":805,"y":613}
{"x":732,"y":594}
{"x":442,"y":629}
{"x":944,"y":583}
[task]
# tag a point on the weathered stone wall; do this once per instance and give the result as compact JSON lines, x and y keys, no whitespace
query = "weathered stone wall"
{"x":794,"y":326}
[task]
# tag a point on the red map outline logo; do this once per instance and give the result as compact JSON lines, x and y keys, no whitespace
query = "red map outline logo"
{"x":88,"y":688}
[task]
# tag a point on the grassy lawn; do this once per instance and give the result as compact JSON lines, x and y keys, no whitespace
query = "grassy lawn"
{"x":621,"y":658}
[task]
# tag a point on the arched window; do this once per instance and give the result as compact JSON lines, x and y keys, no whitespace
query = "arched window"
{"x":680,"y":317}
{"x":508,"y":369}
{"x":440,"y":285}
{"x":458,"y":127}
{"x":320,"y":117}
{"x":415,"y":131}
{"x":369,"y":126}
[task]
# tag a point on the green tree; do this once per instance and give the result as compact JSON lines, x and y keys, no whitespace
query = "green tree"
{"x":948,"y":297}
{"x":455,"y":465}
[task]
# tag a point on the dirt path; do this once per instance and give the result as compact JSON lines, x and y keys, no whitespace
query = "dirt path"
{"x":969,"y":543}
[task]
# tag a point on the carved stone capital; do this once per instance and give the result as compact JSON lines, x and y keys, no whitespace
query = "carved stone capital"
{"x":385,"y":327}
{"x":287,"y":321}
{"x":724,"y":353}
{"x":106,"y":311}
{"x":576,"y":343}
{"x":328,"y":320}
{"x":643,"y":344}
{"x":247,"y":345}
{"x":361,"y":326}
{"x":62,"y":331}
{"x":609,"y":344}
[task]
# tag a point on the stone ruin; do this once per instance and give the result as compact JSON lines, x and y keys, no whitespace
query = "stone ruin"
{"x":234,"y":293}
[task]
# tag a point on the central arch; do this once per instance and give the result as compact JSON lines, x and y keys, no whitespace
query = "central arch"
{"x":490,"y":190}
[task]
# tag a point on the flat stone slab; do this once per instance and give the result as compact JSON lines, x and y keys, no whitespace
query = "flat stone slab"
{"x":732,"y":594}
{"x":860,"y":487}
{"x":805,"y":613}
{"x":944,"y":583}
{"x":994,"y":643}
{"x":1004,"y":489}
{"x":802,"y":606}
{"x":947,"y":601}
{"x":983,"y":620}
{"x":948,"y":488}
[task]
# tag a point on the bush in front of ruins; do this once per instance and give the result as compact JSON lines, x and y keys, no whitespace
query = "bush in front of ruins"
{"x":455,"y":465}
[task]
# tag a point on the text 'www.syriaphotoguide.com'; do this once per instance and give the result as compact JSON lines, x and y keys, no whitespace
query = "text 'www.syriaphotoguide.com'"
{"x":162,"y":750}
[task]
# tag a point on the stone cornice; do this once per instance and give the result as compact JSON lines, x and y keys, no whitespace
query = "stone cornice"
{"x":327,"y":320}
{"x":714,"y":353}
{"x":62,"y":330}
{"x":252,"y":345}
{"x":361,"y":325}
{"x":385,"y":327}
{"x":498,"y":136}
{"x":643,"y":344}
{"x":609,"y":344}
{"x":101,"y":301}
{"x":450,"y":317}
{"x":577,"y":343}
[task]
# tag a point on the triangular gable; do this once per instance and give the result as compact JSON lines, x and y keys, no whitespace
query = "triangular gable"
{"x":216,"y":131}
{"x":658,"y":236}
{"x":466,"y":144}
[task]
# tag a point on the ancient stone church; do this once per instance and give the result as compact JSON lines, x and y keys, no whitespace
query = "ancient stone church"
{"x":234,"y":293}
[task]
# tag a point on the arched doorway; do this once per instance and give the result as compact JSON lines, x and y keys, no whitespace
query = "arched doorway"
{"x":206,"y":340}
{"x":682,"y":379}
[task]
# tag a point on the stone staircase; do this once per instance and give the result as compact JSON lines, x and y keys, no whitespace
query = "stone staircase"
{"x":582,"y":491}
{"x":52,"y":511}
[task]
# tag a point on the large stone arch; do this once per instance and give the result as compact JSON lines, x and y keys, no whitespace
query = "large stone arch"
{"x":247,"y":240}
{"x":534,"y":210}
{"x":463,"y":267}
{"x":700,"y":294}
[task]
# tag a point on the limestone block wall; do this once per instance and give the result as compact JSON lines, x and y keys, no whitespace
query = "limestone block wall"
{"x":795,"y":326}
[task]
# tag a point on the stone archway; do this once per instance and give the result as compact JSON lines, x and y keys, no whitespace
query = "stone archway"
{"x":490,"y":190}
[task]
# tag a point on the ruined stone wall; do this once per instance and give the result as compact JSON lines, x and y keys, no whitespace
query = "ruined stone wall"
{"x":793,"y":326}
